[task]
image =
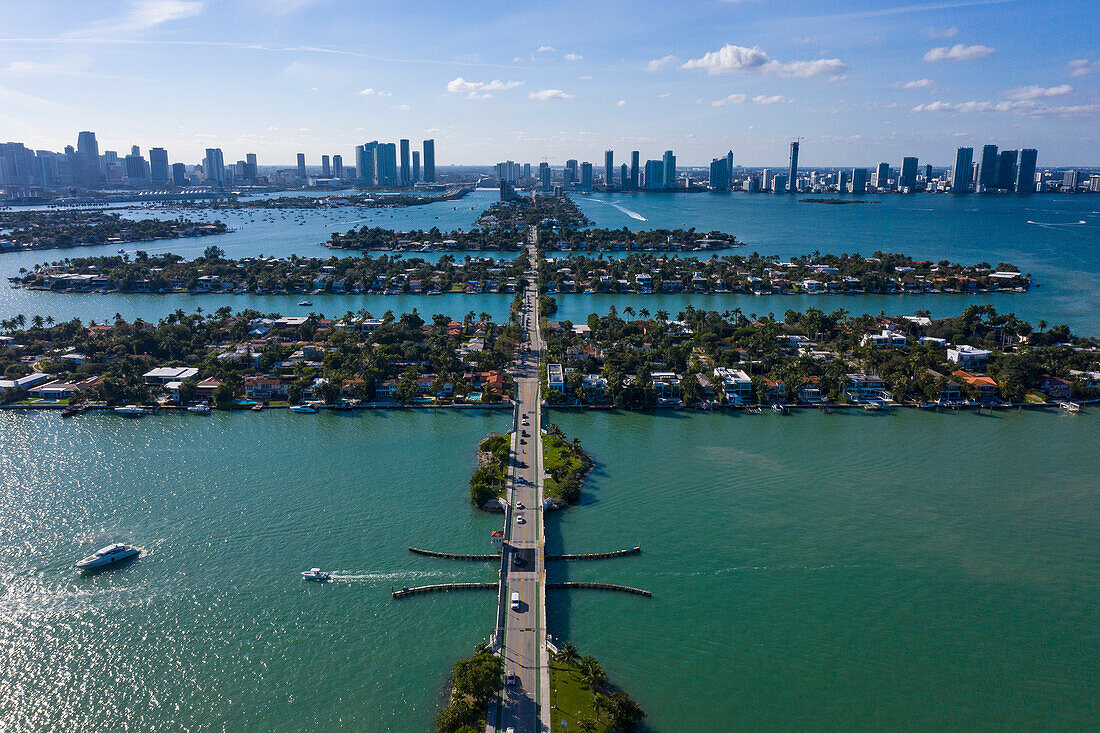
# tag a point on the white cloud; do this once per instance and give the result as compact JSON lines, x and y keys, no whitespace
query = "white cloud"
{"x":1037,"y":92}
{"x":1083,"y":67}
{"x":1027,"y":108}
{"x":662,"y":95}
{"x":367,"y":92}
{"x":731,"y":99}
{"x":544,"y":49}
{"x":621,"y":103}
{"x":401,"y":107}
{"x":586,"y":77}
{"x":662,"y":62}
{"x":730,"y":59}
{"x":949,"y":32}
{"x":573,"y":57}
{"x":916,"y":84}
{"x":547,"y":94}
{"x":145,"y":14}
{"x":959,"y":52}
{"x":479,"y":89}
{"x":776,"y":99}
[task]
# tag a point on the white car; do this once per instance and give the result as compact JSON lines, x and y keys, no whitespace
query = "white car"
{"x":519,"y":505}
{"x":511,"y":678}
{"x":521,"y":520}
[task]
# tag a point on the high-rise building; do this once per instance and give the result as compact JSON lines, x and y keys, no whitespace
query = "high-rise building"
{"x":654,"y":175}
{"x":792,"y":172}
{"x":635,"y":172}
{"x":907,"y":181}
{"x":179,"y":174}
{"x":586,"y":176}
{"x":859,"y":180}
{"x":250,"y":168}
{"x":544,"y":176}
{"x":842,"y":181}
{"x":1025,"y":171}
{"x":882,"y":175}
{"x":158,"y":165}
{"x":366,"y":156}
{"x":961,"y":170}
{"x":326,"y":167}
{"x":136,"y":167}
{"x":719,"y":177}
{"x":302,"y":166}
{"x":387,"y":165}
{"x":416,"y":166}
{"x":88,"y":151}
{"x":668,"y":168}
{"x":779,"y":183}
{"x":213,"y":167}
{"x":526,"y":171}
{"x":1069,"y":181}
{"x":571,"y":168}
{"x":429,"y":161}
{"x":609,"y":168}
{"x":927,"y":174}
{"x":338,"y":166}
{"x":1006,"y":169}
{"x":406,"y":168}
{"x":624,"y":176}
{"x":987,"y":168}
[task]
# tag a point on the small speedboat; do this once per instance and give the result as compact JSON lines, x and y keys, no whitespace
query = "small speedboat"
{"x":108,"y":555}
{"x":203,"y":409}
{"x":776,"y":407}
{"x":257,"y":407}
{"x":131,"y":410}
{"x":315,"y":574}
{"x":304,"y":409}
{"x":306,"y":303}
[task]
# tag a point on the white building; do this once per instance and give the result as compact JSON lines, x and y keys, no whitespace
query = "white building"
{"x":968,"y":357}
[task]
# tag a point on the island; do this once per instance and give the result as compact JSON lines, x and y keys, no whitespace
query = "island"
{"x":23,"y":230}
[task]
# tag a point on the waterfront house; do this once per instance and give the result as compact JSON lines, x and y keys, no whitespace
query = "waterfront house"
{"x":595,"y":388}
{"x":775,"y":390}
{"x":736,"y":385}
{"x":164,"y":375}
{"x":1055,"y":387}
{"x":949,"y":390}
{"x":984,"y":384}
{"x":809,"y":392}
{"x":62,"y":390}
{"x":206,"y":388}
{"x":968,"y":357}
{"x":263,"y":387}
{"x":885,"y":339}
{"x":555,"y":378}
{"x":666,"y":385}
{"x":865,"y":388}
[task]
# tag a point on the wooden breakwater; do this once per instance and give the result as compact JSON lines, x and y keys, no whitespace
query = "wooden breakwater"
{"x":454,"y":555}
{"x":598,"y":586}
{"x":406,"y":592}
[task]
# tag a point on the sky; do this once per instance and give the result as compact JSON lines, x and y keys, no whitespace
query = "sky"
{"x":525,"y":81}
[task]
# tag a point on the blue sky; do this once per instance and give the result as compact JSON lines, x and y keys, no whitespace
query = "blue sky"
{"x":860,"y":82}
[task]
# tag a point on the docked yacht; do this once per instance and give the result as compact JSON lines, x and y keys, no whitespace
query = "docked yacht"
{"x":315,"y":574}
{"x":108,"y":555}
{"x":200,"y":409}
{"x":131,"y":410}
{"x":304,"y":409}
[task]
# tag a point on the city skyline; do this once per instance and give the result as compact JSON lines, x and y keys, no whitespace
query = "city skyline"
{"x":748,"y":76}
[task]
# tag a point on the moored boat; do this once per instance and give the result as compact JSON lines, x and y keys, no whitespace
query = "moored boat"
{"x":304,"y":409}
{"x":131,"y":410}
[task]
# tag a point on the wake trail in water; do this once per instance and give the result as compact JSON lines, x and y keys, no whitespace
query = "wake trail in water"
{"x":1055,"y":225}
{"x":620,"y":207}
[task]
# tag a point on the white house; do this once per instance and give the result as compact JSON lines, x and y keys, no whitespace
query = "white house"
{"x":968,"y":357}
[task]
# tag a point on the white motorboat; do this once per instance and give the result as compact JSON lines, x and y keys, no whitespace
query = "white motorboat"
{"x":108,"y":555}
{"x":203,"y":409}
{"x":305,"y":409}
{"x":306,"y":303}
{"x":315,"y":574}
{"x":131,"y":410}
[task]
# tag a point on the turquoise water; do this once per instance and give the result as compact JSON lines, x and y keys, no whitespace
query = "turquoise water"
{"x":844,"y":571}
{"x":1062,"y":254}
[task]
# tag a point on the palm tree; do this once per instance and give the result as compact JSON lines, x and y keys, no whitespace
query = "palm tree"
{"x":588,"y":725}
{"x":569,"y":653}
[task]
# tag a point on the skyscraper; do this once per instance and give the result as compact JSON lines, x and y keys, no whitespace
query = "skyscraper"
{"x":654,"y":175}
{"x":729,"y":167}
{"x":326,"y":169}
{"x":213,"y":168}
{"x":571,"y":169}
{"x":416,"y":166}
{"x":158,"y":165}
{"x":987,"y":168}
{"x":1006,"y":169}
{"x":609,"y":168}
{"x":429,"y":161}
{"x":387,"y":164}
{"x":668,"y":167}
{"x":179,"y":174}
{"x":88,"y":153}
{"x":250,"y":172}
{"x":366,"y":156}
{"x":961,"y":170}
{"x":137,"y":169}
{"x":882,"y":175}
{"x":859,"y":180}
{"x":586,"y":176}
{"x":907,"y":181}
{"x":544,"y":176}
{"x":719,"y":180}
{"x":302,"y":166}
{"x":406,"y":169}
{"x":1025,"y":171}
{"x":338,"y":166}
{"x":624,"y":176}
{"x":635,"y":172}
{"x":792,"y":173}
